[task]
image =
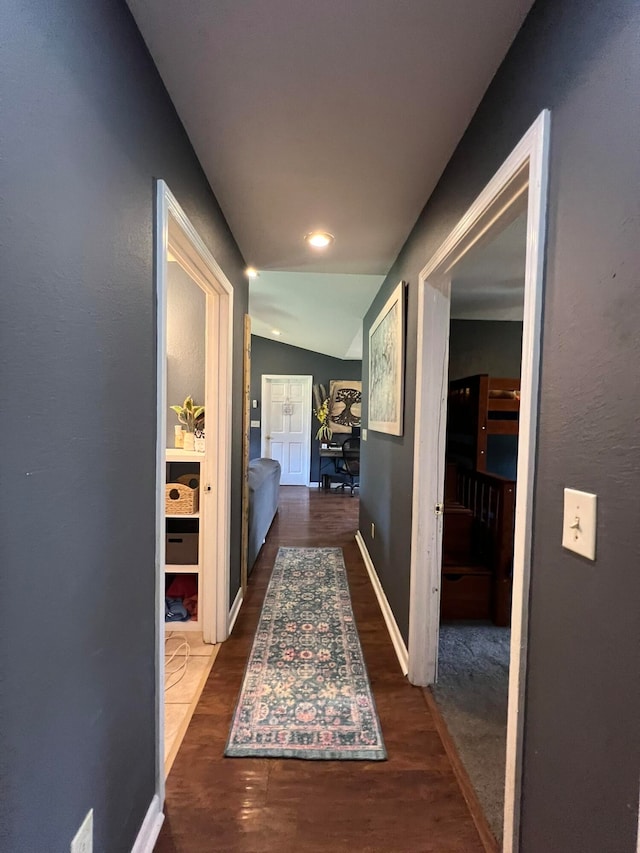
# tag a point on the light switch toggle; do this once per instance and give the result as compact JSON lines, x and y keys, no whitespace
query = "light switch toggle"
{"x":579,"y":524}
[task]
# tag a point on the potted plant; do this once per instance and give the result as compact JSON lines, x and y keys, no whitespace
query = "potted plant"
{"x":190,"y":415}
{"x":322,"y":413}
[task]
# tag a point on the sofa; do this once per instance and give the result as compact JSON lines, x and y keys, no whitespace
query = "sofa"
{"x":264,"y":486}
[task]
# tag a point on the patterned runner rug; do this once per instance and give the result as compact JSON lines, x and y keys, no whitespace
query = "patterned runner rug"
{"x":306,"y":692}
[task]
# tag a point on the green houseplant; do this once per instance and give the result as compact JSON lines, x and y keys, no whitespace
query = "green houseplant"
{"x":191,"y":416}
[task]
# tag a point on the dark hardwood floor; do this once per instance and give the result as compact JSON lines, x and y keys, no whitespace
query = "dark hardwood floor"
{"x":411,"y":802}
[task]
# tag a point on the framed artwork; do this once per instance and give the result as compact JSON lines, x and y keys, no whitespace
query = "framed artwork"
{"x":345,"y":406}
{"x":386,"y":366}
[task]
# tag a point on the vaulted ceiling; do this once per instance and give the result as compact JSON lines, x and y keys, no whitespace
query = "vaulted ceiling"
{"x":338,"y":115}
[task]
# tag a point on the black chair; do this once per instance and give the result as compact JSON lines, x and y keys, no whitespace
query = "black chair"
{"x":349,"y":465}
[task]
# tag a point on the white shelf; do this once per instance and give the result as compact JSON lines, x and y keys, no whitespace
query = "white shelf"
{"x":177,"y":454}
{"x":182,"y":568}
{"x":191,"y":625}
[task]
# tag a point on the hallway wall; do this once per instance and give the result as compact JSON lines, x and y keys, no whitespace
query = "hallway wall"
{"x":87,"y":127}
{"x":186,"y":336}
{"x":484,"y":346}
{"x":580,"y":58}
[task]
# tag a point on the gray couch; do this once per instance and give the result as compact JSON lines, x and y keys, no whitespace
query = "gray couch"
{"x":264,"y":485}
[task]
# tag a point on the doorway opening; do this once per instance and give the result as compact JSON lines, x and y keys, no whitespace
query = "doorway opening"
{"x":193,"y":465}
{"x":481,"y":448}
{"x":286,"y":426}
{"x":523,"y":175}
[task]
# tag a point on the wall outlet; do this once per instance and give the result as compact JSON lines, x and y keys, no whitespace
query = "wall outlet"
{"x":83,"y":840}
{"x":373,"y":530}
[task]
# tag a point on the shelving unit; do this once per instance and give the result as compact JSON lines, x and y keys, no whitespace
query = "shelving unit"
{"x":194,"y":460}
{"x":186,"y":569}
{"x":176,"y":454}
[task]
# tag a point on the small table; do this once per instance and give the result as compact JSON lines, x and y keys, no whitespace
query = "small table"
{"x":328,"y":453}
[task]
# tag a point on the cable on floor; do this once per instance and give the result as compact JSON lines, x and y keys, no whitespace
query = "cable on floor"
{"x":183,"y":648}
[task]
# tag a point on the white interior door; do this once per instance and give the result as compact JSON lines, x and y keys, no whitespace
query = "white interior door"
{"x":286,"y":426}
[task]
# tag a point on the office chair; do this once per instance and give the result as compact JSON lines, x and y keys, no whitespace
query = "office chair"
{"x":350,"y":463}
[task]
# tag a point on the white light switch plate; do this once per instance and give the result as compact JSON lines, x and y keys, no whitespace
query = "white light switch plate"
{"x":83,"y":840}
{"x":255,"y":424}
{"x":364,"y":434}
{"x":579,"y":523}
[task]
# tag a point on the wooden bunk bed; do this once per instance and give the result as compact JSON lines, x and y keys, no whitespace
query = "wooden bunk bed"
{"x":479,"y":511}
{"x":479,"y":407}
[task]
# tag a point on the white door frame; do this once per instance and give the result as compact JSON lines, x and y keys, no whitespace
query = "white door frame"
{"x":175,"y":232}
{"x":307,"y":381}
{"x":529,"y":163}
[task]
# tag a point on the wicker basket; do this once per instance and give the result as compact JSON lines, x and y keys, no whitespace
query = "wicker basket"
{"x":180,"y":499}
{"x":191,"y":480}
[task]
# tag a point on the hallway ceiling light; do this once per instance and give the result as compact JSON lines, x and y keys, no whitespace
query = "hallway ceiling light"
{"x":251,"y":272}
{"x":275,"y":332}
{"x":319,"y":239}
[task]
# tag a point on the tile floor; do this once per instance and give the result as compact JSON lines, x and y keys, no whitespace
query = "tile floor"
{"x":181,"y":697}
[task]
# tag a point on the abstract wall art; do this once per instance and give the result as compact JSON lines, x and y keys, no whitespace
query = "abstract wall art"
{"x":345,"y":405}
{"x":386,"y":366}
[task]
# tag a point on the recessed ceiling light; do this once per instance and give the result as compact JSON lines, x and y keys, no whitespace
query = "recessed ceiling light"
{"x":319,"y":239}
{"x":171,"y":258}
{"x":275,"y":332}
{"x":251,"y":272}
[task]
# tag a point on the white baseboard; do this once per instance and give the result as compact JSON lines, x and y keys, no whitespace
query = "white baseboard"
{"x":314,"y":485}
{"x":150,"y":829}
{"x":389,"y":618}
{"x":235,"y":609}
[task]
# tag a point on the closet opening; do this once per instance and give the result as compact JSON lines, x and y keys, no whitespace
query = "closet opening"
{"x":194,"y":338}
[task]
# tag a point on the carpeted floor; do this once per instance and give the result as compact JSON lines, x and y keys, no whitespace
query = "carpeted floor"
{"x":472,"y":690}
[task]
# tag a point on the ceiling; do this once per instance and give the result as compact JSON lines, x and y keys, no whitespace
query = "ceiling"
{"x":488,"y":283}
{"x":338,"y":303}
{"x":334,"y":115}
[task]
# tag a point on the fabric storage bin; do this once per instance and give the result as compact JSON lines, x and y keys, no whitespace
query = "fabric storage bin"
{"x":181,"y":549}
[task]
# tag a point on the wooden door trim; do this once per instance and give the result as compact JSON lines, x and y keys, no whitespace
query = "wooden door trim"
{"x":246,"y":427}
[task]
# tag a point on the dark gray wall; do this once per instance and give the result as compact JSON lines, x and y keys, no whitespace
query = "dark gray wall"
{"x":269,"y":356}
{"x":484,"y":346}
{"x":87,"y":128}
{"x":186,"y":332}
{"x":581,"y":59}
{"x":493,"y":347}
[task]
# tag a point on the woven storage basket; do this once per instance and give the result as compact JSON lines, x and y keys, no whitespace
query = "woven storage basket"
{"x":179,"y":499}
{"x":192,"y":480}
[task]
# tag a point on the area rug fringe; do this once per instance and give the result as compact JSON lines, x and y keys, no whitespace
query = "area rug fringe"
{"x":305,"y":691}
